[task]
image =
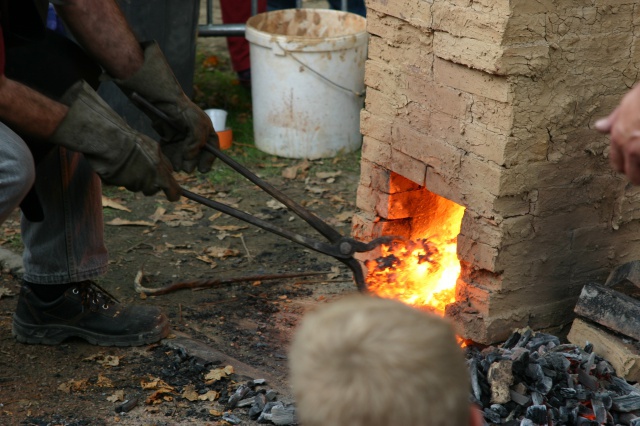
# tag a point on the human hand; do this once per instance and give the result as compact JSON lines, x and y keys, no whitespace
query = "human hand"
{"x":118,"y":154}
{"x":623,"y":126}
{"x":186,"y":149}
{"x":186,"y":129}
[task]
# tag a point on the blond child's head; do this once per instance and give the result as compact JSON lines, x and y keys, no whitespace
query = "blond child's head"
{"x":366,"y":361}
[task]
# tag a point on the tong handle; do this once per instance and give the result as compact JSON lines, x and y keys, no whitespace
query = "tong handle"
{"x":321,"y":247}
{"x":313,"y":220}
{"x":318,"y":224}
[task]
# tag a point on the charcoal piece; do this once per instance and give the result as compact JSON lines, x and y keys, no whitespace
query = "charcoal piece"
{"x":534,"y":372}
{"x":245,"y":402}
{"x":519,"y":398}
{"x":606,"y":398}
{"x":200,"y":363}
{"x":271,"y":395}
{"x":127,"y":405}
{"x":622,"y":385}
{"x":259,"y":382}
{"x":568,"y":393}
{"x":604,"y":369}
{"x":635,"y":422}
{"x":565,"y":348}
{"x":557,"y":361}
{"x":230,"y":418}
{"x":527,"y":422}
{"x":541,"y":339}
{"x":259,"y":401}
{"x":587,"y":380}
{"x":549,"y":372}
{"x":492,"y":357}
{"x":491,"y":416}
{"x":238,"y":395}
{"x":585,"y":412}
{"x":599,"y":411}
{"x":537,"y":398}
{"x":181,"y":353}
{"x":486,"y":392}
{"x":524,"y":338}
{"x":281,"y":415}
{"x":626,"y":418}
{"x":568,"y":415}
{"x":544,"y":386}
{"x":588,"y":365}
{"x":583,"y":394}
{"x":626,"y":403}
{"x":554,"y":402}
{"x":537,"y":414}
{"x":500,"y":409}
{"x":588,"y":348}
{"x":475,"y":385}
{"x":520,"y":358}
{"x":510,"y":417}
{"x":269,"y":405}
{"x":512,"y":340}
{"x":484,"y":366}
{"x":265,"y":416}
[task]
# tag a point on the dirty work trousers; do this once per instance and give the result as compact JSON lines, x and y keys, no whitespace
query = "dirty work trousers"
{"x":67,"y":245}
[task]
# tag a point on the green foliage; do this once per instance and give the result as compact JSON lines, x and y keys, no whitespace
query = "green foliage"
{"x":14,"y":243}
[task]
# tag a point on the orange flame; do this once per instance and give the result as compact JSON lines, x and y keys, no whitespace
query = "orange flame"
{"x":424,"y":271}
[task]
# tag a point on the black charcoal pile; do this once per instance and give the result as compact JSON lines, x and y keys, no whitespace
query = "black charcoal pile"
{"x":242,"y":399}
{"x":533,"y":380}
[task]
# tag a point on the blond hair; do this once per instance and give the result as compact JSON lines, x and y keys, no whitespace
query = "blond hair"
{"x":366,"y":361}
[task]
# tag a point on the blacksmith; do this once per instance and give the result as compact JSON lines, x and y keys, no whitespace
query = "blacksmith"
{"x":58,"y":140}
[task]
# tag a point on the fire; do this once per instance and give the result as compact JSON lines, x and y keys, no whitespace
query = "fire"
{"x":423,"y":271}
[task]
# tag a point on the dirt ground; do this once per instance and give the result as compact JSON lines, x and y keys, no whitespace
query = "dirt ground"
{"x":246,"y":325}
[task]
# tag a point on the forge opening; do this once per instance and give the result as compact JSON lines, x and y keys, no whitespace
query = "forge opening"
{"x":422,"y":271}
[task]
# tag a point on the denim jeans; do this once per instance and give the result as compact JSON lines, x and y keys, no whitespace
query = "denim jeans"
{"x":68,"y":245}
{"x":353,"y":6}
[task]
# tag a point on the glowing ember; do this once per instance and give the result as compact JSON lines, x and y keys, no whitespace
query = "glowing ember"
{"x":422,"y":272}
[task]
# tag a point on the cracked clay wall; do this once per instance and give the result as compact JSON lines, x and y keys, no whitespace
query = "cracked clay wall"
{"x":490,"y":104}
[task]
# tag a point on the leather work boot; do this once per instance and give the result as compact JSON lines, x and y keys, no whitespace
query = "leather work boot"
{"x":87,"y":311}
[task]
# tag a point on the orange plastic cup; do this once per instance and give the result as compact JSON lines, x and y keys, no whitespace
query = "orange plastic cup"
{"x":225,"y":138}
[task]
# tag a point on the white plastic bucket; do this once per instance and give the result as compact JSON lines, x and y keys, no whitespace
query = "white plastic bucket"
{"x":307,"y":81}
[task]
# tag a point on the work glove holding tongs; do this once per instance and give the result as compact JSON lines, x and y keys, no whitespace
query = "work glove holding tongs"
{"x":184,"y":129}
{"x":340,"y":247}
{"x":119,"y":155}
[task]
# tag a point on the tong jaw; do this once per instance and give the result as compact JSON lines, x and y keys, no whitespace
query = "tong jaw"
{"x":350,"y":246}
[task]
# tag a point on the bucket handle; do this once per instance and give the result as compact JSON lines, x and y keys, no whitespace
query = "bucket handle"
{"x":333,"y":83}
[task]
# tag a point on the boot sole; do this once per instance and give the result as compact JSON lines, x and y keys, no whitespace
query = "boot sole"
{"x":58,"y":333}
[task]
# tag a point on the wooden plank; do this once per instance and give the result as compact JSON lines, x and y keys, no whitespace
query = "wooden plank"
{"x":610,"y":308}
{"x":624,"y":357}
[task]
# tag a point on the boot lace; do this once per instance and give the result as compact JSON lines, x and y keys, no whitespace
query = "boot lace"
{"x":93,"y":296}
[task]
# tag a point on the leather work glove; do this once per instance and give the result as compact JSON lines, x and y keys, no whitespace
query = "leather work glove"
{"x":155,"y":82}
{"x":120,"y":155}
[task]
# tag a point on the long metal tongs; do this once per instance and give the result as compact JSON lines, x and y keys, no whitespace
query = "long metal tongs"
{"x":339,"y":247}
